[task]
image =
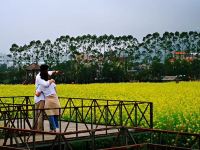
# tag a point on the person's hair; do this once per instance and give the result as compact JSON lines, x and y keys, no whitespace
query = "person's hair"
{"x":44,"y":75}
{"x":44,"y":67}
{"x":44,"y":72}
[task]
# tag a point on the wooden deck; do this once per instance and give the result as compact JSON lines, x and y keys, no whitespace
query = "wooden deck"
{"x":72,"y":127}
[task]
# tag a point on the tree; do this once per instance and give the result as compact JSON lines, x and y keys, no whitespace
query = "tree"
{"x":157,"y":70}
{"x":14,"y":50}
{"x":195,"y":69}
{"x":47,"y":52}
{"x":166,"y":45}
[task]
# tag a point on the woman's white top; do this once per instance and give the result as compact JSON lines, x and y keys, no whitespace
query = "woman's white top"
{"x":42,"y":82}
{"x":47,"y":91}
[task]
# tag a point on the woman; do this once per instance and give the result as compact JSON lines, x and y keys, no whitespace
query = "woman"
{"x":52,"y":104}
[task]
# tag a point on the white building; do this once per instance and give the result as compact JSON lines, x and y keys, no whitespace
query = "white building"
{"x":6,"y":59}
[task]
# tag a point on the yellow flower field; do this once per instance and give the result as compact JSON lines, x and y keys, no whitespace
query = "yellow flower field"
{"x":176,"y":106}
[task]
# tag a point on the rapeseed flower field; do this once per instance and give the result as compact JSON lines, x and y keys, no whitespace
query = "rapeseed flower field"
{"x":176,"y":106}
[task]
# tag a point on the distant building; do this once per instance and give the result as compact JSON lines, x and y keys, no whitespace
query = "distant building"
{"x":169,"y":78}
{"x":6,"y":59}
{"x":179,"y":54}
{"x":189,"y":57}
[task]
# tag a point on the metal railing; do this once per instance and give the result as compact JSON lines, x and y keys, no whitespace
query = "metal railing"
{"x":87,"y":111}
{"x":129,"y":124}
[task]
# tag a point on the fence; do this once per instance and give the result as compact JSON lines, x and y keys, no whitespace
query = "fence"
{"x":95,"y":123}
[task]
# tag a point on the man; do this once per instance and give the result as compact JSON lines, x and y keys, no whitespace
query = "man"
{"x":40,"y":100}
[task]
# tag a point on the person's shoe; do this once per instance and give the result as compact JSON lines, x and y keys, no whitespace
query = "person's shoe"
{"x":57,"y":130}
{"x":52,"y":130}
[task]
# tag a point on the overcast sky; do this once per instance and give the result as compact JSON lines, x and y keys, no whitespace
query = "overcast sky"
{"x":22,"y":21}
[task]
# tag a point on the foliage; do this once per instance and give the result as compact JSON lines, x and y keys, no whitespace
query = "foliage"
{"x":108,"y":58}
{"x":75,"y":72}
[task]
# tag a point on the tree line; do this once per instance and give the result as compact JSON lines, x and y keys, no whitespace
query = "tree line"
{"x":108,"y":58}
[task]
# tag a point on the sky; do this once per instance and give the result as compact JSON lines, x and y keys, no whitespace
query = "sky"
{"x":22,"y":21}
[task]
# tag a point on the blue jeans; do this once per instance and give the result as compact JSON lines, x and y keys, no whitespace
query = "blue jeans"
{"x":53,"y":121}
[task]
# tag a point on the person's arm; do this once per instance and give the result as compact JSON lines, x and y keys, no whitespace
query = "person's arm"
{"x":43,"y":82}
{"x":54,"y":72}
{"x":50,"y":73}
{"x":38,"y":91}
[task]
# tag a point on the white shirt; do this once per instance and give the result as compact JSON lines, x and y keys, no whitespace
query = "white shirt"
{"x":39,"y":81}
{"x":47,"y":91}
